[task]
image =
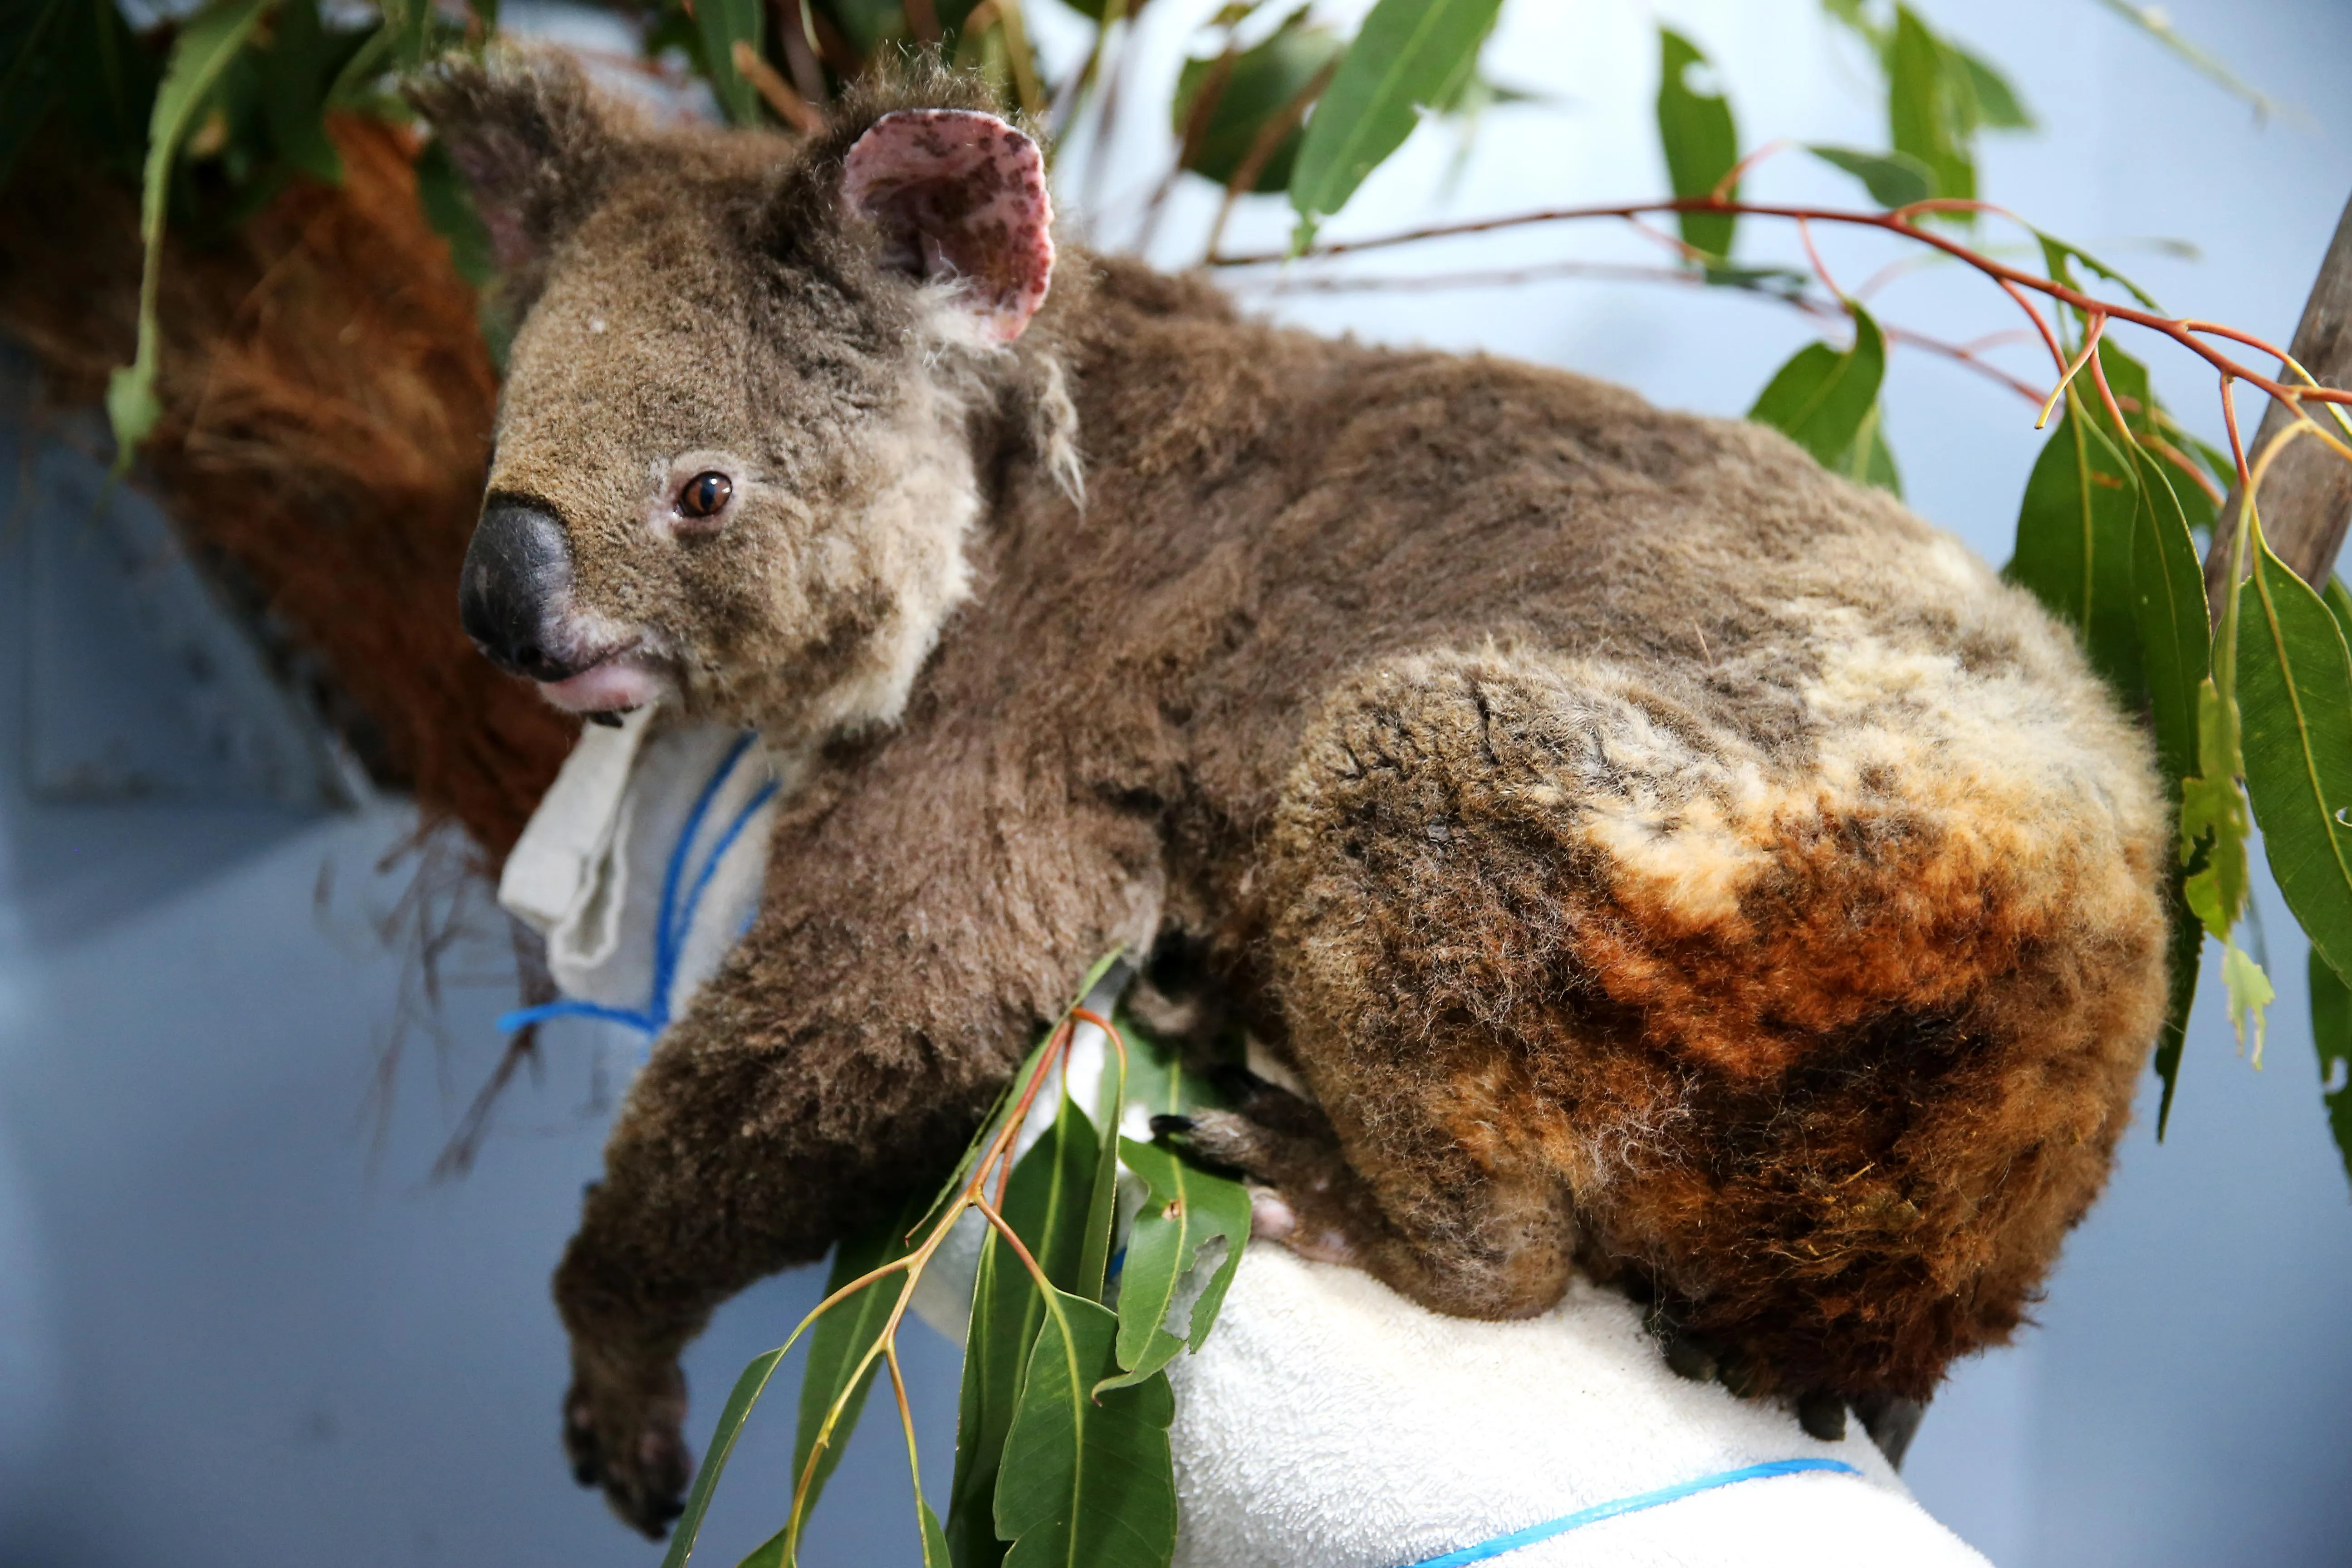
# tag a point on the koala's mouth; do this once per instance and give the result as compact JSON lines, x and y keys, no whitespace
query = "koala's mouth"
{"x":624,"y":679}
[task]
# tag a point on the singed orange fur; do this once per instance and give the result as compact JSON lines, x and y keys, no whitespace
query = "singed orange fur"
{"x":1656,"y":855}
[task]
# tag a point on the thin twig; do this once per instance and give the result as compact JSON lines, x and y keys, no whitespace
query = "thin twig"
{"x":1899,"y":222}
{"x":1967,"y":354}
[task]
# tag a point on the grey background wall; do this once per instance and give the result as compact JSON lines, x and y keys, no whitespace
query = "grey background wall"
{"x":239,"y":1325}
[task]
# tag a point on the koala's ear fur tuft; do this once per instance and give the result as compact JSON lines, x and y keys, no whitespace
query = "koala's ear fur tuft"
{"x":531,"y":136}
{"x":957,"y":194}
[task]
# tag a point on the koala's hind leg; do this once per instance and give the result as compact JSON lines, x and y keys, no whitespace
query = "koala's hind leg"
{"x":1826,"y":1038}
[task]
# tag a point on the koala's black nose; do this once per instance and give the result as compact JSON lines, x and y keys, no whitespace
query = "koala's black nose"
{"x":513,"y":568}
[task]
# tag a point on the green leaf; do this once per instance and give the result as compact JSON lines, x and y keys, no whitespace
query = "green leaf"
{"x":1893,"y":179}
{"x":2074,"y":531}
{"x":1087,"y":1481}
{"x":841,"y":1339}
{"x":408,"y":24}
{"x":732,"y":1417}
{"x":80,"y":57}
{"x":2168,"y":593}
{"x":1870,"y":461}
{"x":2184,"y":953}
{"x":2056,"y":255}
{"x":1260,"y":84}
{"x":205,"y":44}
{"x":1702,"y":144}
{"x":1188,"y":1209}
{"x":1408,"y":55}
{"x":32,"y":71}
{"x":2295,"y":703}
{"x":2250,"y":992}
{"x":1997,"y":106}
{"x":1047,"y":1205}
{"x":2339,"y":605}
{"x":2213,"y":821}
{"x":2331,"y":1031}
{"x":722,"y":24}
{"x":2169,"y":588}
{"x":1855,"y":16}
{"x":1102,"y":1200}
{"x":298,"y":71}
{"x":1821,"y":398}
{"x":1922,"y":116}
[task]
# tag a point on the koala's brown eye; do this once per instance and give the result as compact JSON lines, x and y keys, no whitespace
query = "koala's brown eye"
{"x":705,"y":495}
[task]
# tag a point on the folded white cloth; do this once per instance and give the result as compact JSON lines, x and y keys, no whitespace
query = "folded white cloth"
{"x":1327,"y":1422}
{"x":651,"y":814}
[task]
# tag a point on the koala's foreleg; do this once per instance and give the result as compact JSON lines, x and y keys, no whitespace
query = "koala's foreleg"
{"x":919,"y":920}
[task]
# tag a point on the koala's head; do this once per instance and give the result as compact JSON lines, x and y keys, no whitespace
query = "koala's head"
{"x":735,"y":463}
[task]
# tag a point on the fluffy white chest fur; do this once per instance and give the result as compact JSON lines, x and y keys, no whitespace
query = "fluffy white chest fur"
{"x":1328,"y":1423}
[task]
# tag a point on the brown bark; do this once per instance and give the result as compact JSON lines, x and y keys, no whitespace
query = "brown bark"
{"x":2307,"y":493}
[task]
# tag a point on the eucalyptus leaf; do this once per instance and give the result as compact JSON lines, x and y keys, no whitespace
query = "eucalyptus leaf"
{"x":2056,"y":255}
{"x":1870,"y":461}
{"x":2339,"y":605}
{"x":1088,"y":1481}
{"x":1921,"y":113}
{"x":408,"y":24}
{"x":32,"y":70}
{"x":1821,"y":398}
{"x":1997,"y":106}
{"x":2250,"y":992}
{"x":2169,"y":589}
{"x":1102,"y":1200}
{"x":1260,"y":83}
{"x":722,"y":24}
{"x":1047,"y":1205}
{"x":1408,"y":55}
{"x":2213,"y":821}
{"x":840,"y":1340}
{"x":2295,"y":702}
{"x":746,"y":1394}
{"x":207,"y":43}
{"x":2074,"y":533}
{"x":2171,"y":614}
{"x":2331,"y":1032}
{"x":1188,"y":1208}
{"x":1893,"y":179}
{"x":298,"y":71}
{"x":1701,"y":141}
{"x":935,"y":1540}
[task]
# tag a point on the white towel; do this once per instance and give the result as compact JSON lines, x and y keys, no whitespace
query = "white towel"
{"x":1327,"y":1422}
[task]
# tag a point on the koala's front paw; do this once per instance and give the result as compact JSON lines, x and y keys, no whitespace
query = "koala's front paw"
{"x":623,"y":1432}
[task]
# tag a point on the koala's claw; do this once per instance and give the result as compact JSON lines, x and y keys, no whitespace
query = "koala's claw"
{"x":630,"y":1441}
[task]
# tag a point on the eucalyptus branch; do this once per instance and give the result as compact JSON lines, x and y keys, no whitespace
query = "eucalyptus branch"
{"x":2189,"y":333}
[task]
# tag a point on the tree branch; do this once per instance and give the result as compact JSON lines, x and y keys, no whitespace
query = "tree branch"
{"x":2308,"y":493}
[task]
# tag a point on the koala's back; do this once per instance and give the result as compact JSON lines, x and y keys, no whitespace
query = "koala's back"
{"x":1690,"y":842}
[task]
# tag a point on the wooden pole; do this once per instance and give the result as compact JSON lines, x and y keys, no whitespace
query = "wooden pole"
{"x":2308,"y":494}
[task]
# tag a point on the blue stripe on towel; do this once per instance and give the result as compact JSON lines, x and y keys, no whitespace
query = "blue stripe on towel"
{"x":1635,"y":1504}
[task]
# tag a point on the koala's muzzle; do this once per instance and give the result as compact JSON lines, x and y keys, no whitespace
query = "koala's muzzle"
{"x":516,"y":568}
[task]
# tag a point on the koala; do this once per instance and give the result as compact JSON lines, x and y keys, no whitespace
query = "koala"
{"x":1652,"y":855}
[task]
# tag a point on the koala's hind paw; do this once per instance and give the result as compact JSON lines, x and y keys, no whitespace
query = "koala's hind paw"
{"x":627,"y":1436}
{"x":1304,"y":1197}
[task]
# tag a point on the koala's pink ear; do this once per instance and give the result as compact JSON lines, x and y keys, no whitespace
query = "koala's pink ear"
{"x":959,"y":196}
{"x":530,"y":138}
